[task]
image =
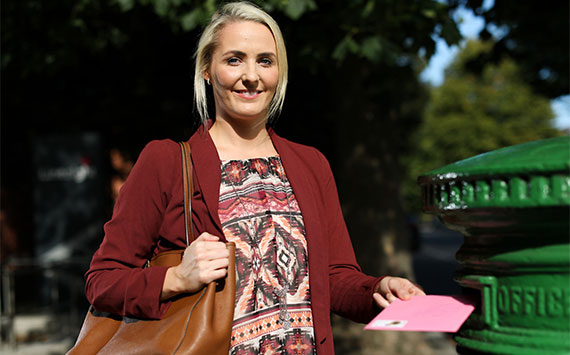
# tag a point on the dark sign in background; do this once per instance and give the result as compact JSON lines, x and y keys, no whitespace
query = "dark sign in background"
{"x":69,"y":195}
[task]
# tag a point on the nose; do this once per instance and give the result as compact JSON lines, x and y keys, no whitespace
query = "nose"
{"x":250,"y":77}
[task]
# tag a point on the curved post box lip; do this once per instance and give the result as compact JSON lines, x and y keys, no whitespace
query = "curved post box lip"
{"x":534,"y":174}
{"x":543,"y":156}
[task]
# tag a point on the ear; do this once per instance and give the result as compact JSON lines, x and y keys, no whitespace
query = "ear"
{"x":206,"y":75}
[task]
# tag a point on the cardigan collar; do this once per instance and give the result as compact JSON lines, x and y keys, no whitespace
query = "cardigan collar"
{"x":207,"y":165}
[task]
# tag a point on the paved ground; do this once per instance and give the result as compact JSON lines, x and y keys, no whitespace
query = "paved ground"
{"x":54,"y":347}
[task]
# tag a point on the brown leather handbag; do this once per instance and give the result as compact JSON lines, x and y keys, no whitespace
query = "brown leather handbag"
{"x":198,"y":323}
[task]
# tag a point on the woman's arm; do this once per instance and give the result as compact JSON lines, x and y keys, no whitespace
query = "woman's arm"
{"x":204,"y":261}
{"x":353,"y":294}
{"x":116,"y":280}
{"x":391,"y":288}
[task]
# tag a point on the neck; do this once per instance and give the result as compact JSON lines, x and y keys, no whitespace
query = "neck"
{"x":241,"y":141}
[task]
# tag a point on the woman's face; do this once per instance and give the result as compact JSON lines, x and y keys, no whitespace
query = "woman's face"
{"x":244,"y":71}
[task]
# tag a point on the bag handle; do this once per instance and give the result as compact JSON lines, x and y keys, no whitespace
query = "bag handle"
{"x":188,"y":186}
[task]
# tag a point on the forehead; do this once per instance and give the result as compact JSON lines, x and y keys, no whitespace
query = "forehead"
{"x":246,"y":36}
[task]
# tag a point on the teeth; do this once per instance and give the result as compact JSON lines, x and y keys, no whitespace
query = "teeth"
{"x":248,"y":93}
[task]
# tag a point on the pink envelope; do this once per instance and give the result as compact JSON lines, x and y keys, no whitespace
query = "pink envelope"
{"x":430,"y":313}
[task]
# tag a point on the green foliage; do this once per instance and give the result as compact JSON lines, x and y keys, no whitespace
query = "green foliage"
{"x":370,"y":29}
{"x":534,"y":34}
{"x":471,"y":114}
{"x":185,"y":15}
{"x":296,"y":8}
{"x":390,"y":31}
{"x":190,"y":14}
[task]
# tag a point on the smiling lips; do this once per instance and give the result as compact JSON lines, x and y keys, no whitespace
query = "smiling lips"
{"x":248,"y":95}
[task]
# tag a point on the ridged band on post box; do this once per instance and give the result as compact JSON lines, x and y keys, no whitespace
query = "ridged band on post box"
{"x":512,"y":206}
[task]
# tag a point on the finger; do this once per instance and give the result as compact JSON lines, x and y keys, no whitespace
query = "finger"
{"x":390,"y":297}
{"x":418,"y":291}
{"x":209,"y":276}
{"x":207,"y":243}
{"x":212,"y":253}
{"x":386,"y":288}
{"x":205,"y":262}
{"x":209,"y":246}
{"x":380,"y":301}
{"x":219,"y":264}
{"x":404,"y":289}
{"x":401,"y":288}
{"x":206,"y":237}
{"x":218,"y":274}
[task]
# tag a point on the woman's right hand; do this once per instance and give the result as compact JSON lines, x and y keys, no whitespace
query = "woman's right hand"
{"x":205,"y":260}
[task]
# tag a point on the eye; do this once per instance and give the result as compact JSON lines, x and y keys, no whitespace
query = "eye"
{"x":266,"y":61}
{"x":233,"y":61}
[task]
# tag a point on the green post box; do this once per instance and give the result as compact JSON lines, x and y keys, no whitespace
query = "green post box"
{"x":512,"y":206}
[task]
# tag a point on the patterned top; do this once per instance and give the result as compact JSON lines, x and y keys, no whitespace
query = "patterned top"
{"x":260,"y":214}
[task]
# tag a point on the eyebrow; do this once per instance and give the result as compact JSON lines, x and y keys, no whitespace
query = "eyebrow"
{"x":267,"y":54}
{"x":242,"y":54}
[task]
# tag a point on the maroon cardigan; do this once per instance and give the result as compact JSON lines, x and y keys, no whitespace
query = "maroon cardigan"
{"x":149,"y":218}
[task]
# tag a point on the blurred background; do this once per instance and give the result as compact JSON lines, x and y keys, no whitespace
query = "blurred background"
{"x":386,"y":89}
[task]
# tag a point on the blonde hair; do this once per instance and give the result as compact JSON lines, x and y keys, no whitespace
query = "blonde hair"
{"x":236,"y":12}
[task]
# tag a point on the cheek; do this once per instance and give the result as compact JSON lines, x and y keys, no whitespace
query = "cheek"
{"x":272,"y":78}
{"x":225,"y":79}
{"x":220,"y":93}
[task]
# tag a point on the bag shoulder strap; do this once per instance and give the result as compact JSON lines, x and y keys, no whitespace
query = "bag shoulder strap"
{"x":188,"y":185}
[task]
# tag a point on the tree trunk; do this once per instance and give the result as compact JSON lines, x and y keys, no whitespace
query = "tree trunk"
{"x":372,"y":129}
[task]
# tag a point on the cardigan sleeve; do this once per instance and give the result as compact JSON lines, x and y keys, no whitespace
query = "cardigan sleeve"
{"x":116,"y":280}
{"x":350,"y":289}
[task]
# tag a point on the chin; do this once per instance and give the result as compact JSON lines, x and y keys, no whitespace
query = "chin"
{"x":249,"y":115}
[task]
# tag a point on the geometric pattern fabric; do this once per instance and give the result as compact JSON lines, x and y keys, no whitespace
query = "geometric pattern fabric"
{"x":260,"y":215}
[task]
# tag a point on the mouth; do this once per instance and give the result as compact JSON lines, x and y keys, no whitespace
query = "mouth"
{"x":246,"y":94}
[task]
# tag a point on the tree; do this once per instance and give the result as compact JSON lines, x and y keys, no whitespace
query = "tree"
{"x":534,"y":34}
{"x":471,"y":114}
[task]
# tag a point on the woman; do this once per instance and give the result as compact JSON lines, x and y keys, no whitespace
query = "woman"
{"x":275,"y":199}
